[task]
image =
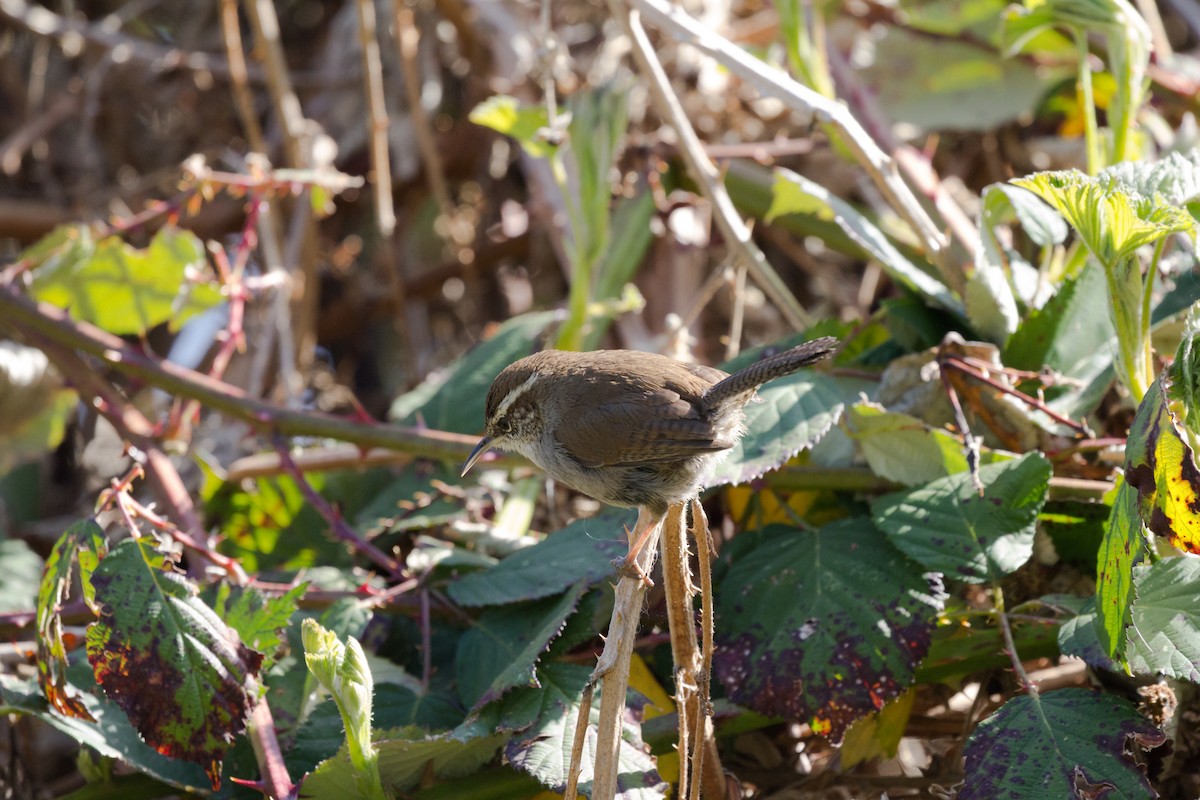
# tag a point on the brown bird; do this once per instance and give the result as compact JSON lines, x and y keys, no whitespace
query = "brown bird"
{"x":628,"y":428}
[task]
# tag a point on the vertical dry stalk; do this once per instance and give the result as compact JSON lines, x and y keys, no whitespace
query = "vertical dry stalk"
{"x":408,"y":38}
{"x":385,"y":215}
{"x":243,"y":98}
{"x":685,"y":651}
{"x":701,"y":167}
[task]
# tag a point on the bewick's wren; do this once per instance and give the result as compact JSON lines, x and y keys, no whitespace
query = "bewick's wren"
{"x":628,"y":428}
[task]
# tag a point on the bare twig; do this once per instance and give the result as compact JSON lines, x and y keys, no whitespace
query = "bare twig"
{"x":338,"y":525}
{"x":612,"y":669}
{"x":20,"y":316}
{"x":733,"y":228}
{"x":774,"y":83}
{"x":276,"y":781}
{"x":381,"y":166}
{"x":265,"y":23}
{"x":706,"y":762}
{"x":408,"y":38}
{"x":243,"y":100}
{"x":685,"y":650}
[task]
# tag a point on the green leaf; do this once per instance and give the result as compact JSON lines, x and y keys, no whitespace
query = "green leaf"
{"x":412,"y":501}
{"x":35,"y":406}
{"x":258,"y":619}
{"x":454,"y":401}
{"x":1041,"y":223}
{"x":394,"y":706}
{"x":111,"y":735}
{"x":525,"y":123}
{"x":1070,"y":335}
{"x":1053,"y":745}
{"x":1163,"y":635}
{"x":22,"y":566}
{"x":824,"y":625}
{"x":580,"y":552}
{"x":83,"y":541}
{"x":1160,"y":464}
{"x":120,"y":288}
{"x":795,"y":194}
{"x":1174,"y":179}
{"x":795,"y":413}
{"x":1112,"y":221}
{"x":502,"y":649}
{"x":902,"y":448}
{"x":937,"y":83}
{"x":152,"y":623}
{"x":948,"y":526}
{"x":405,"y":756}
{"x":1120,"y":549}
{"x":544,"y":749}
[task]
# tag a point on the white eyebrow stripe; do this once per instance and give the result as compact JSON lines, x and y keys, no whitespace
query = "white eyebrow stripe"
{"x":512,"y":396}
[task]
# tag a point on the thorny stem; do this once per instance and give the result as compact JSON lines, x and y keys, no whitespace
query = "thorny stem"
{"x":341,"y":530}
{"x":1009,"y":643}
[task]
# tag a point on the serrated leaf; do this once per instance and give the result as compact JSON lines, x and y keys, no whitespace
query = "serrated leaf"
{"x":947,"y":526}
{"x":405,"y":755}
{"x":544,"y":750}
{"x":454,"y":400}
{"x":794,"y":193}
{"x":1120,"y":549}
{"x":506,"y":115}
{"x":394,"y":706}
{"x":1163,"y":633}
{"x":111,"y":735}
{"x":824,"y":625}
{"x":1069,"y":336}
{"x":581,"y":552}
{"x":1057,"y":744}
{"x":120,"y":288}
{"x":902,"y":448}
{"x":1160,"y":464}
{"x":153,"y":624}
{"x":1112,"y":221}
{"x":501,"y":650}
{"x":258,"y":618}
{"x":1175,"y":178}
{"x":83,"y":541}
{"x":795,"y":412}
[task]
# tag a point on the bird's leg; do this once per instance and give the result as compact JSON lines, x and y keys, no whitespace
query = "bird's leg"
{"x":647,"y":521}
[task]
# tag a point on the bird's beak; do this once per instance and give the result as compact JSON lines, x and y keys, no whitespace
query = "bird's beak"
{"x":484,"y":445}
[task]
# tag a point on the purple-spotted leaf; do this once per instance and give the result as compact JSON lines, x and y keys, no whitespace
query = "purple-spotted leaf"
{"x":824,"y":625}
{"x":1160,"y":464}
{"x":795,"y":413}
{"x":83,"y":541}
{"x":181,"y":674}
{"x":1069,"y":743}
{"x":1120,"y":549}
{"x":501,"y":651}
{"x":947,"y":526}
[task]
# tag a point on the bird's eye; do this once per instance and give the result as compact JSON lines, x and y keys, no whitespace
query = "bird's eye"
{"x":503,"y":426}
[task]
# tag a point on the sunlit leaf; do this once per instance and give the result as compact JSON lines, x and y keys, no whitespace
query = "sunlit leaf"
{"x":1121,"y":547}
{"x":947,"y":525}
{"x":796,"y":194}
{"x":120,"y":288}
{"x":84,"y":543}
{"x":152,"y":624}
{"x":524,"y":123}
{"x":1162,"y":467}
